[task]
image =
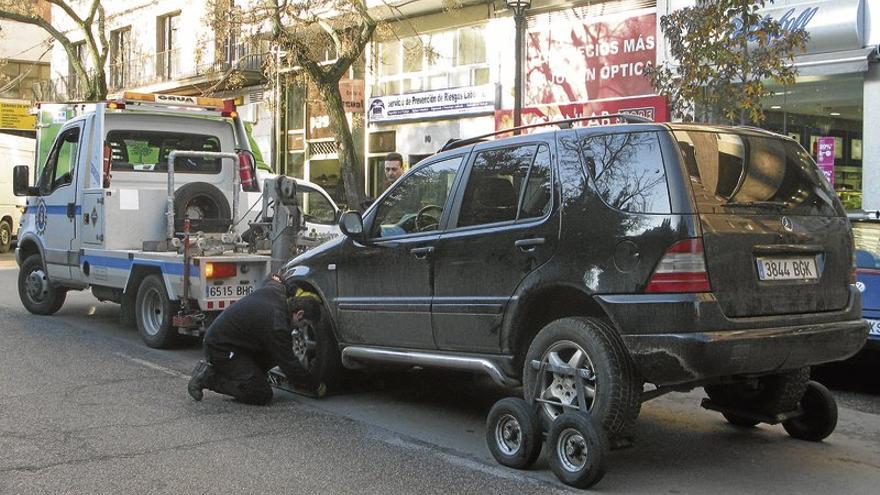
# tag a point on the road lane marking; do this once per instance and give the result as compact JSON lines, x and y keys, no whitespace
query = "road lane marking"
{"x":154,"y":366}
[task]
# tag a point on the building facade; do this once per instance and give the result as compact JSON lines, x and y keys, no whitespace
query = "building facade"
{"x":833,"y":107}
{"x":445,"y":75}
{"x":168,"y":46}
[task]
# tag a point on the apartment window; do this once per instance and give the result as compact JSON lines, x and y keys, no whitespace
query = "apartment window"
{"x":439,"y":60}
{"x":167,"y":45}
{"x":120,"y":57}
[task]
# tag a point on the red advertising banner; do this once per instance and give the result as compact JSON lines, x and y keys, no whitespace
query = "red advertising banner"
{"x":574,"y":57}
{"x":651,"y":107}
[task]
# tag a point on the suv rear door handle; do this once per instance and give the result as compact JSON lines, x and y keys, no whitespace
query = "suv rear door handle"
{"x":422,"y":252}
{"x":529,"y":245}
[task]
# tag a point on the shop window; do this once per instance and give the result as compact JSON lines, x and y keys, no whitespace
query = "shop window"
{"x":295,"y":165}
{"x":824,"y":107}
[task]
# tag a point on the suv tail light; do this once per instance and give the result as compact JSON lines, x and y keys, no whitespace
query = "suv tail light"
{"x":682,"y":269}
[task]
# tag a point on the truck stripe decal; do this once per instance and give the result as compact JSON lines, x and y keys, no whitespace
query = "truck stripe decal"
{"x":53,"y":209}
{"x":169,"y":268}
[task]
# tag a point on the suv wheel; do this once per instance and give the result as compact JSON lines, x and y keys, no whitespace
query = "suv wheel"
{"x":613,"y":392}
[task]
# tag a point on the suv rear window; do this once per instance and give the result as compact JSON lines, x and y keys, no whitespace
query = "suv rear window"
{"x":628,"y":171}
{"x":753,"y":173}
{"x":147,"y":151}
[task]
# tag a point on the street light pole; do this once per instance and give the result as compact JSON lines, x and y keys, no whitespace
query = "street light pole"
{"x":519,"y":8}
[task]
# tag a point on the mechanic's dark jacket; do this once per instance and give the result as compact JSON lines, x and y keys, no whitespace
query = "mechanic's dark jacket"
{"x":259,"y":325}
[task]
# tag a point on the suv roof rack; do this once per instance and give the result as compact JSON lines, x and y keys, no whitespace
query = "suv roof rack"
{"x":564,"y":123}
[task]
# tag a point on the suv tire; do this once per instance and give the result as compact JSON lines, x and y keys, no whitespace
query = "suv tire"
{"x":325,"y":366}
{"x":34,"y":289}
{"x":616,"y":402}
{"x":772,"y":394}
{"x":154,"y":313}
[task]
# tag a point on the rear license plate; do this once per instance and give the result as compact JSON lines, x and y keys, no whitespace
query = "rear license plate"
{"x":791,"y":268}
{"x":874,"y":328}
{"x":228,"y":290}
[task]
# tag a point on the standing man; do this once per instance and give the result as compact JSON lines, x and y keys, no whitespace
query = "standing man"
{"x":393,"y":169}
{"x":260,"y":331}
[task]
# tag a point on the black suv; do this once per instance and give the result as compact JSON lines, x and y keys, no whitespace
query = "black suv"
{"x":671,"y":254}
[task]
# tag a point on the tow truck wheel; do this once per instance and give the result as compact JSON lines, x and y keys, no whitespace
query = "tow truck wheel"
{"x":576,"y":450}
{"x":154,"y":312}
{"x":513,"y":432}
{"x":5,"y":236}
{"x":819,"y":416}
{"x":38,"y":295}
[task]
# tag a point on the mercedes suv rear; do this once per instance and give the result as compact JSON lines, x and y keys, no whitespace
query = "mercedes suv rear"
{"x":670,"y":254}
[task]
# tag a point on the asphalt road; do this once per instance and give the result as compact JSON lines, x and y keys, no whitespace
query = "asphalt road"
{"x":85,"y":407}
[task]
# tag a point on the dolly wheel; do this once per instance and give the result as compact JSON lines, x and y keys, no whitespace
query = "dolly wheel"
{"x":819,"y":416}
{"x":513,"y":433}
{"x":577,"y":450}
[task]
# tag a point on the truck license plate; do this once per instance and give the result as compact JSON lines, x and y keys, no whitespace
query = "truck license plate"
{"x":800,"y":268}
{"x":222,"y":291}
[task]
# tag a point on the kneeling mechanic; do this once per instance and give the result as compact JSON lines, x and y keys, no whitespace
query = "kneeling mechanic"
{"x":260,"y":331}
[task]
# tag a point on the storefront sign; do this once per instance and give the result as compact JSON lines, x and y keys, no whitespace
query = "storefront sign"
{"x":576,"y":57}
{"x":825,"y":157}
{"x":651,"y":107}
{"x":430,"y":104}
{"x":16,"y":116}
{"x":833,"y":25}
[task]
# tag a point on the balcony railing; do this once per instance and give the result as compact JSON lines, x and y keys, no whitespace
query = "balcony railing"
{"x":207,"y":60}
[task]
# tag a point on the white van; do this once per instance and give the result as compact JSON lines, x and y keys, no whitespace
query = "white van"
{"x":15,"y":150}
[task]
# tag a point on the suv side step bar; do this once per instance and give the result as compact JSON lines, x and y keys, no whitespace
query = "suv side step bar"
{"x":352,"y":355}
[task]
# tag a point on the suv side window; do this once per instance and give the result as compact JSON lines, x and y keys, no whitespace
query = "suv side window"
{"x":417,"y":201}
{"x":61,"y":163}
{"x":628,"y":171}
{"x":507,"y":184}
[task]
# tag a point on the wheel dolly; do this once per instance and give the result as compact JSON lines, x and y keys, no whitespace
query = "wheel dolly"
{"x":814,"y":418}
{"x":577,"y":448}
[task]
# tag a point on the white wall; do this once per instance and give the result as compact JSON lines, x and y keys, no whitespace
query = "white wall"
{"x":23,"y":42}
{"x":142,"y":17}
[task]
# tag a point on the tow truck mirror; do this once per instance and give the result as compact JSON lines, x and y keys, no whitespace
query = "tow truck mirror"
{"x":20,"y":178}
{"x":352,"y":225}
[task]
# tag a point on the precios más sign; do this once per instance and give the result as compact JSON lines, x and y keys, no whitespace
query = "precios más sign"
{"x":575,"y":57}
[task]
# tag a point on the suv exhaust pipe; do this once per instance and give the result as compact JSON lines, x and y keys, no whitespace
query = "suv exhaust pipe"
{"x":353,"y":356}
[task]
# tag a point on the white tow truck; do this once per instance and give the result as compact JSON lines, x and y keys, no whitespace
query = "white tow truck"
{"x":140,"y":200}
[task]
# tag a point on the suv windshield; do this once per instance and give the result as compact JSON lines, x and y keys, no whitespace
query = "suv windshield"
{"x":745,"y":172}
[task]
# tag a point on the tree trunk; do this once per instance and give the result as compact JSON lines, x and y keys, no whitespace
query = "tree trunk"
{"x":348,"y":162}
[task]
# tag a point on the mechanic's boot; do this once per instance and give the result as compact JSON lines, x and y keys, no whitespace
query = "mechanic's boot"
{"x":201,"y":379}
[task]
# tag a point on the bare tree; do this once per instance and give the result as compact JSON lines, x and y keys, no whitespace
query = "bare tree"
{"x":88,"y":18}
{"x":319,"y":40}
